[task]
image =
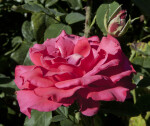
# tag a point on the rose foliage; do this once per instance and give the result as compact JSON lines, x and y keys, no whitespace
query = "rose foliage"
{"x":71,"y":68}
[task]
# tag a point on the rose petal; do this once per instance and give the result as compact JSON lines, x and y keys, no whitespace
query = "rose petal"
{"x":94,"y":39}
{"x":56,"y":94}
{"x":19,"y":70}
{"x":36,"y":77}
{"x":36,"y":52}
{"x":74,"y":59}
{"x":68,"y":83}
{"x":119,"y":76}
{"x":82,"y":47}
{"x":88,"y":107}
{"x":75,"y":71}
{"x":116,"y":93}
{"x":28,"y":100}
{"x":65,"y":47}
{"x":110,"y":45}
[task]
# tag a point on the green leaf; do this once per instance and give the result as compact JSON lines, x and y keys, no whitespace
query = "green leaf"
{"x":138,"y":60}
{"x":19,"y":55}
{"x":142,"y":61}
{"x":75,"y":4}
{"x":63,"y":111}
{"x":143,"y":5}
{"x":50,"y":2}
{"x":49,"y":20}
{"x":67,"y":122}
{"x":4,"y":79}
{"x":137,"y":77}
{"x":27,"y":1}
{"x":58,"y":118}
{"x":137,"y":121}
{"x":27,"y":31}
{"x":108,"y":8}
{"x":38,"y":25}
{"x":34,"y":7}
{"x":54,"y":12}
{"x":141,"y":48}
{"x":38,"y":119}
{"x":16,"y":40}
{"x":74,"y":18}
{"x":7,"y":85}
{"x":27,"y":60}
{"x":55,"y":29}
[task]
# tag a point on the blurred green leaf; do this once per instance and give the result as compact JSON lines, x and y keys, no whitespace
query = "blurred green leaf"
{"x":34,"y":7}
{"x":55,"y":29}
{"x":137,"y":121}
{"x":49,"y":20}
{"x":58,"y":118}
{"x":144,"y":6}
{"x":100,"y":14}
{"x":63,"y":111}
{"x":38,"y":119}
{"x":137,"y":77}
{"x":74,"y":17}
{"x":16,"y":40}
{"x":141,"y":48}
{"x":67,"y":122}
{"x":38,"y":25}
{"x":10,"y":84}
{"x":27,"y":1}
{"x":75,"y":4}
{"x":27,"y":31}
{"x":142,"y":61}
{"x":50,"y":2}
{"x":20,"y":54}
{"x":27,"y":60}
{"x":54,"y":12}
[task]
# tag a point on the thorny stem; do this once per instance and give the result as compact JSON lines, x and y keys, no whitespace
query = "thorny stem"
{"x":88,"y":18}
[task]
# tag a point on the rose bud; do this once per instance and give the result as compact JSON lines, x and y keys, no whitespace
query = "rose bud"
{"x":117,"y":25}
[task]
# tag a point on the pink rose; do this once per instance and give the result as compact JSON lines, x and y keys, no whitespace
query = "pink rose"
{"x":71,"y":68}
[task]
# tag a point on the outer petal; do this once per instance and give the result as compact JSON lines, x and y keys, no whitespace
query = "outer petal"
{"x":19,"y":70}
{"x":94,"y":39}
{"x":116,"y":93}
{"x":28,"y":100}
{"x":88,"y":107}
{"x":110,"y":45}
{"x":36,"y":77}
{"x":56,"y":94}
{"x":36,"y":52}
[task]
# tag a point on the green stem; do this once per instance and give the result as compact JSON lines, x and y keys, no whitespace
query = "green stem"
{"x":137,"y":18}
{"x":148,"y":36}
{"x":93,"y":22}
{"x":88,"y":18}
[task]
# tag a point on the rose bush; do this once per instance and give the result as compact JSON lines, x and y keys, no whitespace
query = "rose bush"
{"x":71,"y":68}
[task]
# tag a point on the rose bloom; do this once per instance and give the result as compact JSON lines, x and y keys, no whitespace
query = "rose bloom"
{"x":70,"y":68}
